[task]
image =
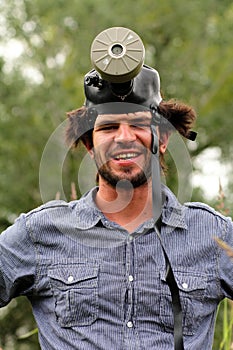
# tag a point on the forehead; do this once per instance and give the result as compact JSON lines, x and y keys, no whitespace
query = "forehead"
{"x":130,"y":118}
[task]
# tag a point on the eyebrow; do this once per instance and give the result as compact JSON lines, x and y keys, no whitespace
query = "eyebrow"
{"x":134,"y":120}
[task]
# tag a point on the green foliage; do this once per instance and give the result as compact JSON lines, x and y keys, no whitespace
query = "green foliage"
{"x":223,"y":339}
{"x":15,"y":321}
{"x":189,"y":42}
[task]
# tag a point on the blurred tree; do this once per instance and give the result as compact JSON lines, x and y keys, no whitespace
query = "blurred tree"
{"x":44,"y":54}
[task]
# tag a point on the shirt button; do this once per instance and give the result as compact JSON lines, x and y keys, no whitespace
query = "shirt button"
{"x":130,"y":278}
{"x":129,"y":324}
{"x":70,"y":279}
{"x":184,"y":285}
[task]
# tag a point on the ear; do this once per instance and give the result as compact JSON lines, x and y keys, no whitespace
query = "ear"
{"x":89,"y":149}
{"x":91,"y":152}
{"x":163,"y":141}
{"x":88,"y":144}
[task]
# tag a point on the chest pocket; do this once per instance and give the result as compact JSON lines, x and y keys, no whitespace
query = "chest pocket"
{"x":75,"y":290}
{"x":192,"y":288}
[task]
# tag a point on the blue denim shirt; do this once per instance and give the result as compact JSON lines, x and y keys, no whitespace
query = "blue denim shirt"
{"x":93,"y":286}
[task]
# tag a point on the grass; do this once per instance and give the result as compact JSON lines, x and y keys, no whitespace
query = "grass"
{"x":223,"y":339}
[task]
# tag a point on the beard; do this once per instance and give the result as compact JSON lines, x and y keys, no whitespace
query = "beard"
{"x":126,"y":178}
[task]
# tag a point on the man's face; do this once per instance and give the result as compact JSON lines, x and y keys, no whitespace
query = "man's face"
{"x":122,"y":147}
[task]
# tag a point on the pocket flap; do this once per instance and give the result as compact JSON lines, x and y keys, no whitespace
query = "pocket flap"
{"x":70,"y":274}
{"x":189,"y":280}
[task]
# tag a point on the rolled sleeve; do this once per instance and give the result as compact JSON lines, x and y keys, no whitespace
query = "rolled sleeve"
{"x":17,"y":262}
{"x":226,"y":261}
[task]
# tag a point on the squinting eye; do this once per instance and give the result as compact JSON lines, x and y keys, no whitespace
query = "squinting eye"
{"x":141,"y":126}
{"x":107,"y":127}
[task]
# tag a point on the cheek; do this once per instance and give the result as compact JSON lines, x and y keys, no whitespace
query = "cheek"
{"x":101,"y":139}
{"x":99,"y":150}
{"x":102,"y":142}
{"x":149,"y":140}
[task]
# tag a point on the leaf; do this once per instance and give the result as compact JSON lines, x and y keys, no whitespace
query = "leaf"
{"x":224,"y":246}
{"x":29,"y":334}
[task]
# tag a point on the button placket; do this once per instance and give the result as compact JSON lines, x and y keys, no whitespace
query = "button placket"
{"x":129,"y":324}
{"x":131,"y":278}
{"x":129,"y":285}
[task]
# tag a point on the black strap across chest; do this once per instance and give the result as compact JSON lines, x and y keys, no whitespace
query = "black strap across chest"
{"x":157,"y":212}
{"x":176,"y":304}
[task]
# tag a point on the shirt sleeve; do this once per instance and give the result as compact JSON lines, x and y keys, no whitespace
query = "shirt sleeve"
{"x":17,"y":262}
{"x":226,"y":261}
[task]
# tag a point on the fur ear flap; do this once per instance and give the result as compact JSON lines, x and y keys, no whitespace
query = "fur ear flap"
{"x":76,"y":130}
{"x":180,"y":115}
{"x":73,"y":126}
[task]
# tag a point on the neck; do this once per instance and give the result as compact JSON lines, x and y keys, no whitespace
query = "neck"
{"x":125,"y":205}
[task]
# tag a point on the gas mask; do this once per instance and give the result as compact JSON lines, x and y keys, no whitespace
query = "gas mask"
{"x":119,"y":75}
{"x":121,"y":83}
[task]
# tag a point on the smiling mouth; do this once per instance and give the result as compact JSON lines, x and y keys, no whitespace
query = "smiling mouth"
{"x":126,"y":156}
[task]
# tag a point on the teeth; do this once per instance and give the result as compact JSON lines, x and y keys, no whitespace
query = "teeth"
{"x":126,"y":156}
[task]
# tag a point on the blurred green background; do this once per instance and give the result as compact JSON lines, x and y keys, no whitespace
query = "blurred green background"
{"x":44,"y":54}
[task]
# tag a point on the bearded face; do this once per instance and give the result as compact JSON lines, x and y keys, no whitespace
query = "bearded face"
{"x":122,"y":148}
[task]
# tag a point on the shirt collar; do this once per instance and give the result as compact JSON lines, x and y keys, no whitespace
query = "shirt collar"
{"x":88,"y":214}
{"x":173,"y":212}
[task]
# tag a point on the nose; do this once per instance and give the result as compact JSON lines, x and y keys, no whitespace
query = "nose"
{"x":125,"y":133}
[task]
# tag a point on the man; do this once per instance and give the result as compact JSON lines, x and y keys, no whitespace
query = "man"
{"x":95,"y":269}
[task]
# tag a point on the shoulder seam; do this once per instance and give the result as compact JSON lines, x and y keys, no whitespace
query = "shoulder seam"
{"x":49,"y":205}
{"x":206,"y":207}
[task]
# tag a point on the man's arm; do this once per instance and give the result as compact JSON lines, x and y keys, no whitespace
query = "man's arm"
{"x":226,"y":262}
{"x":17,"y":261}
